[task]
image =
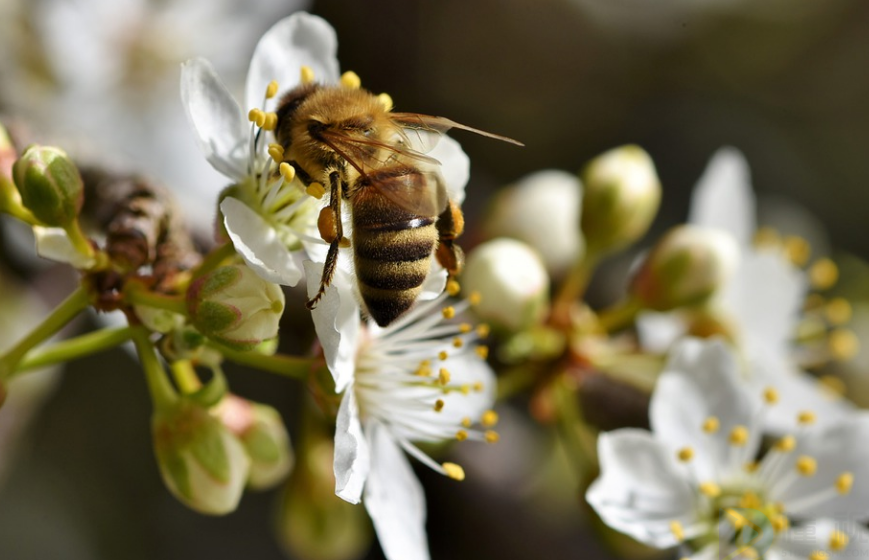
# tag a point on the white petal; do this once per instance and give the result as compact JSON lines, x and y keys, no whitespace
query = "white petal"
{"x":640,"y":490}
{"x":394,"y":499}
{"x":352,"y":459}
{"x":216,"y":118}
{"x":298,"y":40}
{"x":723,"y":198}
{"x":837,"y":449}
{"x":659,"y":331}
{"x":337,"y":322}
{"x":54,"y":244}
{"x":455,"y":167}
{"x":701,"y":380}
{"x":258,"y":243}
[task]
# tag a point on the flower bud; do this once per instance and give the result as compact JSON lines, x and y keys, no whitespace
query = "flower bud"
{"x":542,"y":210}
{"x":264,"y":436}
{"x":513,"y":283}
{"x":50,"y":185}
{"x":622,"y":194}
{"x":234,"y":306}
{"x":314,"y":523}
{"x":687,"y":265}
{"x":202,"y":463}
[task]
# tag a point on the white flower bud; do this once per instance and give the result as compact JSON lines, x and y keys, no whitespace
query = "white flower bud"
{"x":50,"y":185}
{"x":542,"y":210}
{"x":202,"y":463}
{"x":622,"y":194}
{"x":687,"y":265}
{"x":513,"y":283}
{"x":264,"y":436}
{"x":234,"y":306}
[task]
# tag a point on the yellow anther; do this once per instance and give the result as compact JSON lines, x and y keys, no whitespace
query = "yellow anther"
{"x":797,"y":250}
{"x":767,"y":237}
{"x":276,"y":152}
{"x":843,"y":344}
{"x":482,"y":351}
{"x":813,"y":301}
{"x":489,"y":419}
{"x":685,"y":454}
{"x":424,"y":370}
{"x":467,"y":422}
{"x":257,"y":116}
{"x":307,"y":74}
{"x":351,"y":80}
{"x":483,"y":330}
{"x":458,"y":342}
{"x":454,"y":471}
{"x":818,"y":555}
{"x":750,"y":500}
{"x":478,"y":386}
{"x":844,"y":483}
{"x":806,"y":418}
{"x":465,"y":328}
{"x":288,"y":172}
{"x":271,"y":89}
{"x":475,"y":298}
{"x":823,"y":274}
{"x":736,"y":519}
{"x":806,"y":465}
{"x":770,"y":395}
{"x":492,"y":436}
{"x":439,"y":405}
{"x":465,"y":389}
{"x":751,"y":466}
{"x":780,"y":523}
{"x":738,"y":436}
{"x":838,"y":311}
{"x":386,"y":100}
{"x":316,"y":190}
{"x":785,"y":444}
{"x":838,"y":541}
{"x":461,"y":435}
{"x":443,"y":355}
{"x":449,"y":312}
{"x":271,"y":121}
{"x":833,"y":384}
{"x":453,"y":288}
{"x":711,"y":425}
{"x":443,"y":376}
{"x":677,"y":530}
{"x":710,"y":489}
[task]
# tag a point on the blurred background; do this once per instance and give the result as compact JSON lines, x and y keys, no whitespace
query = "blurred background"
{"x":784,"y":81}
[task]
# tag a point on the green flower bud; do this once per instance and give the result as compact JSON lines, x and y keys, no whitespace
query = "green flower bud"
{"x":50,"y":185}
{"x":158,"y":320}
{"x":202,"y":463}
{"x":513,"y":282}
{"x":622,"y":194}
{"x":314,"y":523}
{"x":264,"y":436}
{"x":234,"y":306}
{"x":687,"y":265}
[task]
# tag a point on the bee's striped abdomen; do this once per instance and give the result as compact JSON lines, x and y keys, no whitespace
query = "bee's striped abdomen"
{"x":392,"y":251}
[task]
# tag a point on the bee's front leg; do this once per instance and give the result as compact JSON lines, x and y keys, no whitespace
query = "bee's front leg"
{"x":450,"y":224}
{"x":330,"y":228}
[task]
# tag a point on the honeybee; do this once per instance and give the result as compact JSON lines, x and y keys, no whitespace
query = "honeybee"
{"x":350,"y":141}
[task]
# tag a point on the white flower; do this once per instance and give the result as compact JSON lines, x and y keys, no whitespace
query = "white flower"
{"x":761,"y":302}
{"x":695,"y":479}
{"x":421,"y":379}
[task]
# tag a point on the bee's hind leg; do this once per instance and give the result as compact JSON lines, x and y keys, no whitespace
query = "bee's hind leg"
{"x":335,"y":243}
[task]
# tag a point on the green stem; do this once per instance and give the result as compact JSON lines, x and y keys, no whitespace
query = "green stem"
{"x":162,"y":393}
{"x":620,"y":315}
{"x":79,"y":241}
{"x":578,"y":438}
{"x":288,"y":366}
{"x":137,"y":295}
{"x":73,"y":348}
{"x":185,"y":376}
{"x":214,"y":259}
{"x":63,"y":314}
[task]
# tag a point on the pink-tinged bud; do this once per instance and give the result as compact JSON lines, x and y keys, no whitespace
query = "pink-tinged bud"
{"x":233,"y":306}
{"x":50,"y":185}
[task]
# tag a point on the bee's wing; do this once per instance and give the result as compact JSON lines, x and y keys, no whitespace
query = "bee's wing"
{"x":418,"y":189}
{"x":439,"y":125}
{"x":367,"y":154}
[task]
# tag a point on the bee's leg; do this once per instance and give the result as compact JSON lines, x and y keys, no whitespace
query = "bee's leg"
{"x":450,"y":224}
{"x":303,"y":175}
{"x":334,"y":244}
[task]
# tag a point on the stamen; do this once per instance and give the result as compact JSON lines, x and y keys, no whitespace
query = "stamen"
{"x":443,"y":355}
{"x":307,"y":74}
{"x":449,"y":312}
{"x":750,"y":500}
{"x":736,"y":519}
{"x":454,"y":471}
{"x":797,"y":250}
{"x":818,"y":555}
{"x":823,"y":274}
{"x":492,"y":436}
{"x":288,"y":172}
{"x":350,"y":80}
{"x":465,"y":389}
{"x":316,"y":190}
{"x":257,"y":116}
{"x":458,"y":342}
{"x":482,"y":351}
{"x":467,"y":422}
{"x":838,"y":311}
{"x":443,"y":377}
{"x":711,"y":425}
{"x":465,"y":328}
{"x":766,"y":237}
{"x":843,"y":344}
{"x":738,"y":436}
{"x":838,"y":541}
{"x":677,"y":530}
{"x":386,"y":100}
{"x":770,"y":396}
{"x":489,"y":419}
{"x":832,"y":384}
{"x":474,"y":298}
{"x":844,"y":483}
{"x":483,"y":330}
{"x":685,"y":454}
{"x":751,"y":467}
{"x":270,"y":122}
{"x":780,"y":523}
{"x":424,"y":369}
{"x":276,"y":152}
{"x":461,"y":435}
{"x":271,"y":89}
{"x":478,"y":386}
{"x":806,"y":465}
{"x":439,"y":405}
{"x":710,"y":489}
{"x":453,"y":288}
{"x":806,"y":418}
{"x":785,"y":444}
